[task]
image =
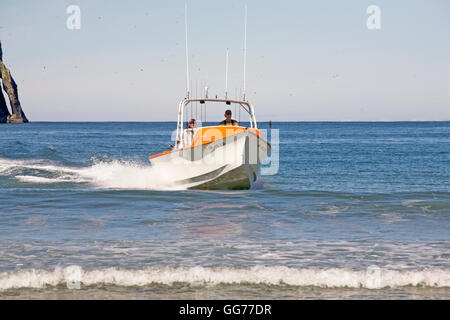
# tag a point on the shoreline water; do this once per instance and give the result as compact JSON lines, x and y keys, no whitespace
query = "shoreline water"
{"x":371,"y":202}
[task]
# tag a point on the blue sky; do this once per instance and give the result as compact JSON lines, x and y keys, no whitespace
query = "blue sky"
{"x":307,"y":60}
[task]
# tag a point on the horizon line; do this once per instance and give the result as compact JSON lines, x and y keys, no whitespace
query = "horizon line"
{"x":273,"y":121}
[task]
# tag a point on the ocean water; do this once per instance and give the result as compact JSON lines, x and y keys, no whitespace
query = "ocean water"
{"x":355,"y":211}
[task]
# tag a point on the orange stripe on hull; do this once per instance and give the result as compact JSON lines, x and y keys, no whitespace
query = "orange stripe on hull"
{"x":209,"y":134}
{"x":160,"y":154}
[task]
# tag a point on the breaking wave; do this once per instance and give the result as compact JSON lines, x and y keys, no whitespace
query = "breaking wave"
{"x":372,"y":278}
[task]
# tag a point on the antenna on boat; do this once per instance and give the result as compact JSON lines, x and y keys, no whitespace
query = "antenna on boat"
{"x":187,"y":52}
{"x":245,"y":47}
{"x":226,"y":75}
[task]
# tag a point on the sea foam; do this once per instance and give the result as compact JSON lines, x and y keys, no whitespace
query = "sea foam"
{"x":112,"y":174}
{"x":372,"y":278}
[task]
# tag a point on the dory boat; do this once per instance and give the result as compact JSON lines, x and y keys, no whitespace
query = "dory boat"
{"x":215,"y":157}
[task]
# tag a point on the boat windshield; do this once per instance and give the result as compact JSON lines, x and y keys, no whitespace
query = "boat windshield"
{"x":204,"y":109}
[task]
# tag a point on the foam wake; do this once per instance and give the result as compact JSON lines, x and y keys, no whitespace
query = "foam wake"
{"x":111,"y":174}
{"x":372,"y":278}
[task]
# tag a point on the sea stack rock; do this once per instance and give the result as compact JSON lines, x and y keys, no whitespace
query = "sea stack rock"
{"x":4,"y":112}
{"x":10,"y":87}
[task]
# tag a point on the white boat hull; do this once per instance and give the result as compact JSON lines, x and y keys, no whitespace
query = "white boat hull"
{"x":225,"y":164}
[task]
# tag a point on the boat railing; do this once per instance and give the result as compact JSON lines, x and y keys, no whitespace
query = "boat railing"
{"x":247,"y":106}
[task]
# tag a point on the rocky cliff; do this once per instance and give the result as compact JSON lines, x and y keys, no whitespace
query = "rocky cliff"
{"x":4,"y":112}
{"x":10,"y":87}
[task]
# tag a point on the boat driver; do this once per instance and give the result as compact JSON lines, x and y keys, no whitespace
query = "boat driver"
{"x":228,"y":121}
